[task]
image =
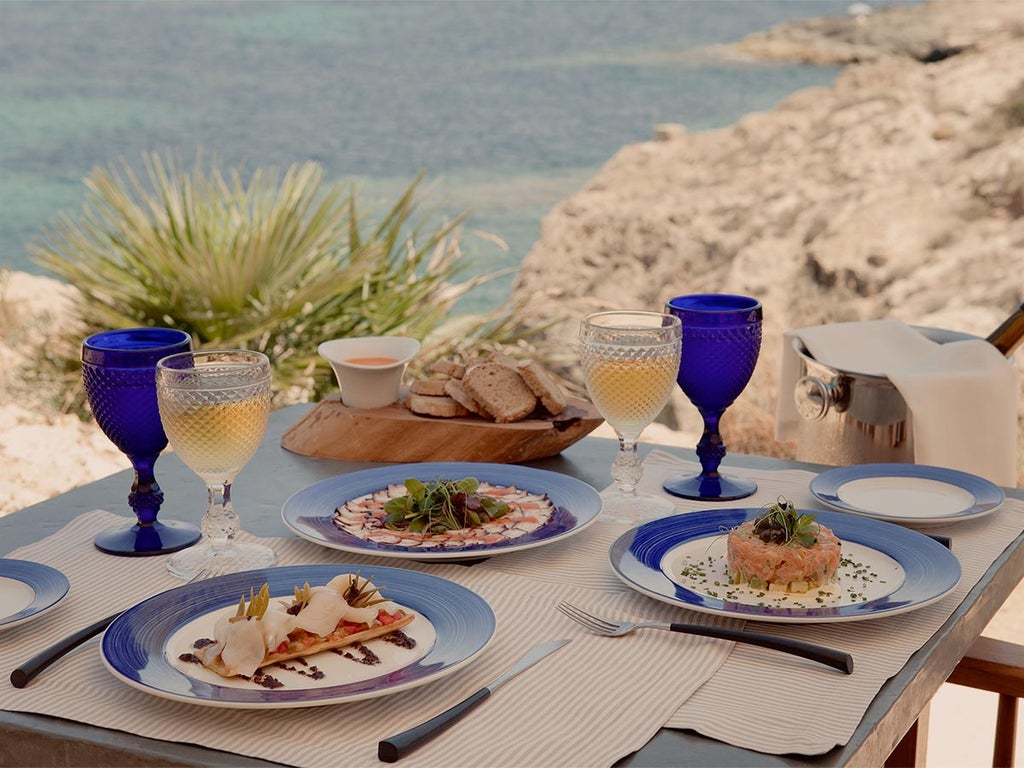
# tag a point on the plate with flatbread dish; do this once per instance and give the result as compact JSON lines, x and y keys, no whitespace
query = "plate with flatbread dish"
{"x":151,"y":646}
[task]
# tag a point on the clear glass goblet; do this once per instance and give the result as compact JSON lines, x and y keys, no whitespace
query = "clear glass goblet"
{"x":630,"y":360}
{"x":119,"y":376}
{"x":214,"y":405}
{"x":721,"y":344}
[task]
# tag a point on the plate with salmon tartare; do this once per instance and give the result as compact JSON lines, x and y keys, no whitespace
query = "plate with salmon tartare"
{"x":781,"y":564}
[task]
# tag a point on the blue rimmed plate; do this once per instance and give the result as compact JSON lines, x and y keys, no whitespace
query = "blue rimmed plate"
{"x":886,"y":569}
{"x":310,"y":512}
{"x":144,"y":645}
{"x":911,"y":494}
{"x":28,"y":590}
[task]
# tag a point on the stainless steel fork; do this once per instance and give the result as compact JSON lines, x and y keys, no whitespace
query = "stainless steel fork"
{"x":612,"y":628}
{"x":24,"y":674}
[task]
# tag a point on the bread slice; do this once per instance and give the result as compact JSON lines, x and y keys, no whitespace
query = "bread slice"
{"x":432,"y":387}
{"x":541,"y":383}
{"x":448,"y":367}
{"x":500,"y":390}
{"x":428,"y":405}
{"x":454,"y":389}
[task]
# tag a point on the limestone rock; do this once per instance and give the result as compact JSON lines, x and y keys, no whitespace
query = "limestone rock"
{"x":895,"y":193}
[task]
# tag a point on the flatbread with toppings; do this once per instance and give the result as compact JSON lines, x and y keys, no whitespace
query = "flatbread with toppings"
{"x":444,"y":514}
{"x":347,"y":610}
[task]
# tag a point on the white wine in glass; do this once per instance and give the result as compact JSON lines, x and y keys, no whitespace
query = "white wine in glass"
{"x":214,"y":406}
{"x":630,"y":360}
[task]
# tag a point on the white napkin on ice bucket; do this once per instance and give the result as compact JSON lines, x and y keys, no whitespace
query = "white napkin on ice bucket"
{"x":962,"y":395}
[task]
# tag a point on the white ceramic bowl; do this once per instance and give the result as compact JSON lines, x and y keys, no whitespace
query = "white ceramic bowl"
{"x":369,"y":369}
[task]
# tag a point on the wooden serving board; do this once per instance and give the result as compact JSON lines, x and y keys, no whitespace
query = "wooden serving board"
{"x":332,"y":430}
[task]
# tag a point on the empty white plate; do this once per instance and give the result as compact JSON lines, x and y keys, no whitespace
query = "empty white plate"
{"x":27,"y":590}
{"x":913,"y":494}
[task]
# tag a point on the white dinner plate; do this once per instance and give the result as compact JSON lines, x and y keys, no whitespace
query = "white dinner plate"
{"x":912,"y":494}
{"x":28,"y":590}
{"x":310,"y":512}
{"x":144,"y":646}
{"x":886,"y":569}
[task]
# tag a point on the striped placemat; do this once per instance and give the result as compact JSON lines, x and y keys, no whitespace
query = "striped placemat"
{"x":591,"y":703}
{"x":805,"y":716}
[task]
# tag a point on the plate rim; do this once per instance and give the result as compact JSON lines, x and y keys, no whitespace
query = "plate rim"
{"x":431,"y":470}
{"x":620,"y":548}
{"x":49,"y":584}
{"x":482,"y":636}
{"x":988,"y":496}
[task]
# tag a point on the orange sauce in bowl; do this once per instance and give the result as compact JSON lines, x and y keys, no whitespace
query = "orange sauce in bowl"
{"x":372,"y":360}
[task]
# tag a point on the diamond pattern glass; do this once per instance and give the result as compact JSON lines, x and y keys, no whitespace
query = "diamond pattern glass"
{"x":214,"y":406}
{"x":630,"y":360}
{"x":119,"y":376}
{"x":720,"y":347}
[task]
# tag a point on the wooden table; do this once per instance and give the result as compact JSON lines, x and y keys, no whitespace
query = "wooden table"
{"x":275,"y":473}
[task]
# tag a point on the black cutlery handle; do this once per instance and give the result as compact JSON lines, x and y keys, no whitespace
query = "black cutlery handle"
{"x":392,"y":748}
{"x":837,"y":659}
{"x":24,"y":674}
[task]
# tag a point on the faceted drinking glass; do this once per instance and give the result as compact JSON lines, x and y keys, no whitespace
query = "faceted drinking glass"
{"x":214,"y":405}
{"x":630,"y":360}
{"x":721,"y":344}
{"x":119,"y":376}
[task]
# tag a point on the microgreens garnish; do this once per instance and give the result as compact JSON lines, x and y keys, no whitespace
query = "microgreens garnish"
{"x":442,"y":505}
{"x":781,"y":523}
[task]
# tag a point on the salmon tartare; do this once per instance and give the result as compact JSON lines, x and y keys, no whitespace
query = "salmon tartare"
{"x":783,"y":550}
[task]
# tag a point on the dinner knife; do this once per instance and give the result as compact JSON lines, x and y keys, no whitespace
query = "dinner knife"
{"x":394,"y":747}
{"x":24,"y":674}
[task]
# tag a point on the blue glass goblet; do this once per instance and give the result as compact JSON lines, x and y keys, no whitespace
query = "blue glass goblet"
{"x":720,"y":346}
{"x":119,"y":374}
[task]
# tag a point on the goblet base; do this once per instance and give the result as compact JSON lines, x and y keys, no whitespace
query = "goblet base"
{"x":633,"y":509}
{"x":159,"y":538}
{"x":223,"y":558}
{"x":701,"y":487}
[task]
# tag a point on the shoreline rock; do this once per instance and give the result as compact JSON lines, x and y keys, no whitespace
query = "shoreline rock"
{"x":926,"y":33}
{"x":897,"y":192}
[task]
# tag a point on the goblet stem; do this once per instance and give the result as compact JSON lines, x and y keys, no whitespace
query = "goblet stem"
{"x":148,"y":536}
{"x":710,"y":448}
{"x":627,"y":469}
{"x":145,"y":497}
{"x":220,"y":551}
{"x":708,"y":484}
{"x":220,"y":523}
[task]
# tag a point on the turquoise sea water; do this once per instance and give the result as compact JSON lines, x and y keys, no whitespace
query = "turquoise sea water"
{"x":507,"y":106}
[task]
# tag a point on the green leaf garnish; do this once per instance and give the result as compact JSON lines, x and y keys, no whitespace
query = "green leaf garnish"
{"x":442,"y":505}
{"x":781,"y":523}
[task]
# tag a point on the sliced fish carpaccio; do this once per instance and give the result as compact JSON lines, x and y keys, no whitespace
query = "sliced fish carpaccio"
{"x":364,"y":518}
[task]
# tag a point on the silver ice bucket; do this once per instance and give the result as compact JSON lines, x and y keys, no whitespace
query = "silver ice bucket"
{"x":853,"y":418}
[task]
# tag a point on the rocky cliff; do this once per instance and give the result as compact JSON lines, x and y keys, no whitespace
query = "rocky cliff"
{"x":896,"y":193}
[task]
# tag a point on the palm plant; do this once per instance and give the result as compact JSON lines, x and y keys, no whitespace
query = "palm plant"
{"x":278,"y":264}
